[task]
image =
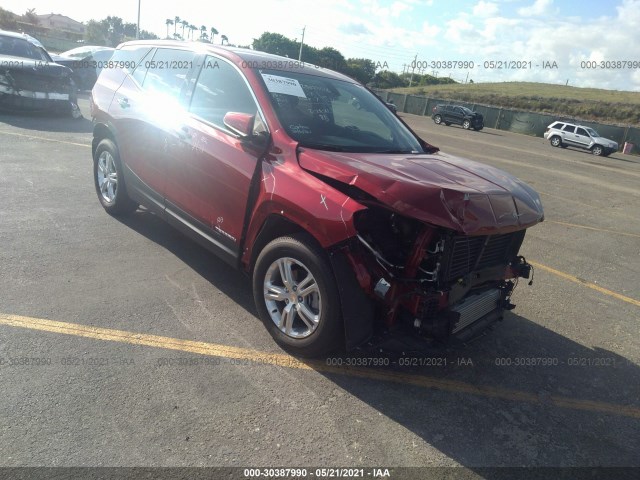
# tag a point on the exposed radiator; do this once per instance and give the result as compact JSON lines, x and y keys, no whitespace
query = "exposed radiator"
{"x":475,"y":307}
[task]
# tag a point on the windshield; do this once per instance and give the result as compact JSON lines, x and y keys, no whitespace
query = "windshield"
{"x":17,"y":47}
{"x":467,"y":111}
{"x":335,"y":115}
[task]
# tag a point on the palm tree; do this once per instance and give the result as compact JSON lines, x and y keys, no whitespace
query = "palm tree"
{"x":168,"y":22}
{"x":184,"y":24}
{"x":214,"y":32}
{"x":31,"y":16}
{"x":203,"y":30}
{"x":176,"y":21}
{"x":223,"y":39}
{"x":192,"y":28}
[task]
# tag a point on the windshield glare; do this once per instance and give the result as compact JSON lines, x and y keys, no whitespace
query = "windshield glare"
{"x":335,"y":115}
{"x":592,"y":132}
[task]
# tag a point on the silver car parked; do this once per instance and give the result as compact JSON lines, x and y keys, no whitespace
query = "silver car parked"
{"x":564,"y":134}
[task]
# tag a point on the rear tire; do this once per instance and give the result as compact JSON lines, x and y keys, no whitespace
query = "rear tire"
{"x":109,"y":180}
{"x":437,"y":119}
{"x":296,"y":296}
{"x":555,"y":141}
{"x":466,"y":124}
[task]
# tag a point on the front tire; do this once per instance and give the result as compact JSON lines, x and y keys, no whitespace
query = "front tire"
{"x":437,"y":119}
{"x":597,"y":150}
{"x":466,"y":124}
{"x":109,"y":180}
{"x":296,"y":296}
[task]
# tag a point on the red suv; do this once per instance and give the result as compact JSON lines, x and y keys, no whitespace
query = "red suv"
{"x":348,"y":223}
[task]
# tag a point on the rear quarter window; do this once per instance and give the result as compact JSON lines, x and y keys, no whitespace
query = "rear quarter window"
{"x":128,"y":58}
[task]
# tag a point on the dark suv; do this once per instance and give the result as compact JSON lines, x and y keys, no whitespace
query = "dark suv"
{"x":346,"y":221}
{"x":458,"y":115}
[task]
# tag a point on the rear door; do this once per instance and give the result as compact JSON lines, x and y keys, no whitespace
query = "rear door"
{"x":569,"y":134}
{"x":210,"y":170}
{"x":151,"y":101}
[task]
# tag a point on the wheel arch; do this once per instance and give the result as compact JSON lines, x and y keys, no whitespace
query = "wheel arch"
{"x":100,"y":132}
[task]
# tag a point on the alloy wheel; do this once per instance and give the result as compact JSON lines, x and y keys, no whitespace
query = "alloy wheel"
{"x":292,"y":297}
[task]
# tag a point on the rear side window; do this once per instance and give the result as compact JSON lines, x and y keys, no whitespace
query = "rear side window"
{"x":569,"y":129}
{"x":220,"y":89}
{"x":582,"y":131}
{"x":128,"y":58}
{"x":167,"y":72}
{"x":557,"y":125}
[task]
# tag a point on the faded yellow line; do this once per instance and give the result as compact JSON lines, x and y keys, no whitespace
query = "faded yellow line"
{"x":288,"y":361}
{"x":592,"y":228}
{"x":33,"y":137}
{"x":587,"y":284}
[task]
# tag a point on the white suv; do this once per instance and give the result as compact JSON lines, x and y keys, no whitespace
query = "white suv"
{"x":563,"y":134}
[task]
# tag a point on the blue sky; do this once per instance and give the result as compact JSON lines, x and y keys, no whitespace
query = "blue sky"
{"x":568,"y":32}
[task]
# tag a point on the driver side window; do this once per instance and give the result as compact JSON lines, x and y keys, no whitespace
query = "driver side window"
{"x":220,"y":89}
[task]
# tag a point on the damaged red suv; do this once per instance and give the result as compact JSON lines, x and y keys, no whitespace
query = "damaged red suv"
{"x":349,"y":224}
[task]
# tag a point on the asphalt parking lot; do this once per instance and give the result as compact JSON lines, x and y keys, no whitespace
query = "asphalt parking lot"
{"x":122,"y":343}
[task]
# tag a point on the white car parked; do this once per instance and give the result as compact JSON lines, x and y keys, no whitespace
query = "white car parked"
{"x":563,"y":134}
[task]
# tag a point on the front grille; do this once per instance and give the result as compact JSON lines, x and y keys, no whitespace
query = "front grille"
{"x":464,"y":254}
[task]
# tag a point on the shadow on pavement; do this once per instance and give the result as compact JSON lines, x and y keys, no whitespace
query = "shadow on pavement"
{"x":47,"y":122}
{"x":521,"y":396}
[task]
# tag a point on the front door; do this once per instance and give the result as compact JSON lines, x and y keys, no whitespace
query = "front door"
{"x":210,"y":169}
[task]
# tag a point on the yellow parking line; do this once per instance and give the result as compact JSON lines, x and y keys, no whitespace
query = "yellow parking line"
{"x":288,"y":361}
{"x":592,"y":228}
{"x":587,"y":284}
{"x":33,"y":137}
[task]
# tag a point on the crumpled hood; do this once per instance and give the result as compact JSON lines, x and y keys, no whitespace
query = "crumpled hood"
{"x":469,"y":197}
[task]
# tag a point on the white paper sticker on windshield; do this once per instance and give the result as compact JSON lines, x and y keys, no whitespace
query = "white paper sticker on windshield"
{"x":287,"y":86}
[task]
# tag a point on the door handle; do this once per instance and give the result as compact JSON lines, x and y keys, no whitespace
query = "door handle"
{"x":124,"y":102}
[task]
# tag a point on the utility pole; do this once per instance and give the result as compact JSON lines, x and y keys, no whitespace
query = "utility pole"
{"x":138,"y":30}
{"x":301,"y":43}
{"x":413,"y":69}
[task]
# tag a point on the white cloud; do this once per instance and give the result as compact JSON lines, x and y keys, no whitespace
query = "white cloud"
{"x":485,"y":9}
{"x":539,"y":7}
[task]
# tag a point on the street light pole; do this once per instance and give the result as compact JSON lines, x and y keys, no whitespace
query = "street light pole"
{"x":138,"y":30}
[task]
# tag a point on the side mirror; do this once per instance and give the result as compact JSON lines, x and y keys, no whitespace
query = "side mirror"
{"x":250,"y":128}
{"x":239,"y":123}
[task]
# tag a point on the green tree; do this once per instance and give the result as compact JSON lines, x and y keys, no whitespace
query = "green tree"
{"x":168,"y":22}
{"x":276,"y":44}
{"x":176,"y":21}
{"x":214,"y":32}
{"x":223,"y":38}
{"x":361,"y":69}
{"x":8,"y":19}
{"x":388,"y":79}
{"x":95,"y":33}
{"x":184,"y":23}
{"x":31,"y":16}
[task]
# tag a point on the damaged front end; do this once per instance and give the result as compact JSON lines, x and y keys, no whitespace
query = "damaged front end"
{"x":36,"y":86}
{"x":437,"y":246}
{"x":430,"y":280}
